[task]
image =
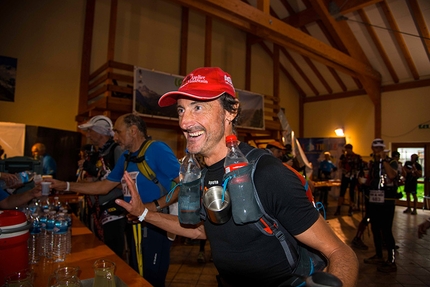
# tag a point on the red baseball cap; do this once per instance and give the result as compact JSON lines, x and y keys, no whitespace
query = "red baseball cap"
{"x":203,"y":84}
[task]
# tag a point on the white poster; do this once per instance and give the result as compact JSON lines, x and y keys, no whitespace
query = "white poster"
{"x":12,"y":137}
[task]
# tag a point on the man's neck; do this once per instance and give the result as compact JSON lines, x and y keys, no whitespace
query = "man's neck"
{"x":137,"y":144}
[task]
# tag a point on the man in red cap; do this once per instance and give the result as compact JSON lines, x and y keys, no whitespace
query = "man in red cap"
{"x":208,"y":112}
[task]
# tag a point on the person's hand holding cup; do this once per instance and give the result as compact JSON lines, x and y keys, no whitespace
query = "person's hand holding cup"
{"x":46,"y":188}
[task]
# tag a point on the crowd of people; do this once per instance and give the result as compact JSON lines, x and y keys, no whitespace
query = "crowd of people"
{"x":123,"y":200}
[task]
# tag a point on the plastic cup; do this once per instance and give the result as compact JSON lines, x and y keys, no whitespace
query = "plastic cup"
{"x":46,"y":186}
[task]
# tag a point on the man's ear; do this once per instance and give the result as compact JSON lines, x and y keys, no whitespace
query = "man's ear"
{"x":232,"y":115}
{"x":133,"y":130}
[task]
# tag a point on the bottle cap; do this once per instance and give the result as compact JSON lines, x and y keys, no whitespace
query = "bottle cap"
{"x":230,"y":138}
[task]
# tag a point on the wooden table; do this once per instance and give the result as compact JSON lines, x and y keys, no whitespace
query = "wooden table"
{"x":326,"y":183}
{"x":86,"y":249}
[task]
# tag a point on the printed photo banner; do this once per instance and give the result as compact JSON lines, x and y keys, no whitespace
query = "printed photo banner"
{"x":149,"y":85}
{"x":314,"y":149}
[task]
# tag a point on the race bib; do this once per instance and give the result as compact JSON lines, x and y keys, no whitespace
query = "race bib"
{"x":125,"y":189}
{"x":376,"y":196}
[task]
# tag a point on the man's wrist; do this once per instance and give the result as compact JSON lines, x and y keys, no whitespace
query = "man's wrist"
{"x":157,"y":205}
{"x":67,"y":186}
{"x":143,"y":215}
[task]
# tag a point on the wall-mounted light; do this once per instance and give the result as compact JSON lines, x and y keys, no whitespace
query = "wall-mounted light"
{"x":339,"y":132}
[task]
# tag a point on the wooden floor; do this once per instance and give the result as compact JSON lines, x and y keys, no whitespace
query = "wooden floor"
{"x":413,"y":258}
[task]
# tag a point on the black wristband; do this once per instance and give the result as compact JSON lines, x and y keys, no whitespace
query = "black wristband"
{"x":157,"y":206}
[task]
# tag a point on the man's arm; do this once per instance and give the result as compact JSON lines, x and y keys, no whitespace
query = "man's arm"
{"x":19,"y":199}
{"x":162,"y":201}
{"x":91,"y":188}
{"x":166,"y":222}
{"x":343,"y":262}
{"x":417,"y":172}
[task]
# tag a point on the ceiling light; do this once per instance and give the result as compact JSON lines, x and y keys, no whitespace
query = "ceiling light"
{"x":339,"y":132}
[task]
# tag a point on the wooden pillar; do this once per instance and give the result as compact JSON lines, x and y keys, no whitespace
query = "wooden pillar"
{"x":111,"y":42}
{"x":112,"y":29}
{"x":208,"y":42}
{"x":378,"y":119}
{"x":86,"y":55}
{"x":276,"y":68}
{"x":248,"y":49}
{"x":301,"y":117}
{"x":184,"y":42}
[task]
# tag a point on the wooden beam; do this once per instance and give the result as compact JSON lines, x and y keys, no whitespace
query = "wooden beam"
{"x":263,"y":5}
{"x":334,"y":96}
{"x":378,"y":120}
{"x":337,"y":78}
{"x":342,"y":30}
{"x":406,"y":86}
{"x":184,"y":42}
{"x":361,"y":92}
{"x":420,"y":24}
{"x":252,"y":20}
{"x":399,"y":39}
{"x":289,"y":8}
{"x":302,"y":18}
{"x":248,"y":54}
{"x":111,"y":41}
{"x":112,"y":30}
{"x":121,"y":66}
{"x":276,"y":69}
{"x":301,"y":117}
{"x":379,"y":46}
{"x":285,"y":71}
{"x":299,"y":70}
{"x":292,"y":61}
{"x":348,"y":6}
{"x":86,"y":55}
{"x":208,"y":42}
{"x":314,"y":68}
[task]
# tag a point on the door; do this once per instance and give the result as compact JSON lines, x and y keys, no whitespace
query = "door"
{"x":423,"y":152}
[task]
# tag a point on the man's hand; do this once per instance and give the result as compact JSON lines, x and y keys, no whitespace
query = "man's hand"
{"x":37,"y":191}
{"x":56,"y":184}
{"x":422,"y":228}
{"x":11,"y":180}
{"x":135,"y":206}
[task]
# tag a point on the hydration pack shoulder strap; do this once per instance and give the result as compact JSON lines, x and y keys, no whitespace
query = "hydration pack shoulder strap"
{"x":145,"y":169}
{"x":267,"y":224}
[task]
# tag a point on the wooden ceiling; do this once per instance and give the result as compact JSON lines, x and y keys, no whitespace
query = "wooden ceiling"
{"x":331,"y":49}
{"x":327,"y":49}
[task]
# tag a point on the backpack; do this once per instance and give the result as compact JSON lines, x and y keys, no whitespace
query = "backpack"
{"x":302,"y":259}
{"x":145,"y":169}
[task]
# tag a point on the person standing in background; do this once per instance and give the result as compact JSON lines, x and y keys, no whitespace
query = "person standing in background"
{"x":382,"y":184}
{"x":276,"y":149}
{"x":325,"y":172}
{"x":108,"y":223}
{"x":150,"y":251}
{"x":48,"y":162}
{"x":412,"y":170}
{"x":349,"y":164}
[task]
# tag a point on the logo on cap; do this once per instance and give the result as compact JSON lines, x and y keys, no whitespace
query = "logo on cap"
{"x":194,"y":79}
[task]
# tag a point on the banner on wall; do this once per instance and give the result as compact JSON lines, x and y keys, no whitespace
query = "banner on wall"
{"x":149,"y":85}
{"x":12,"y":138}
{"x":314,"y":149}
